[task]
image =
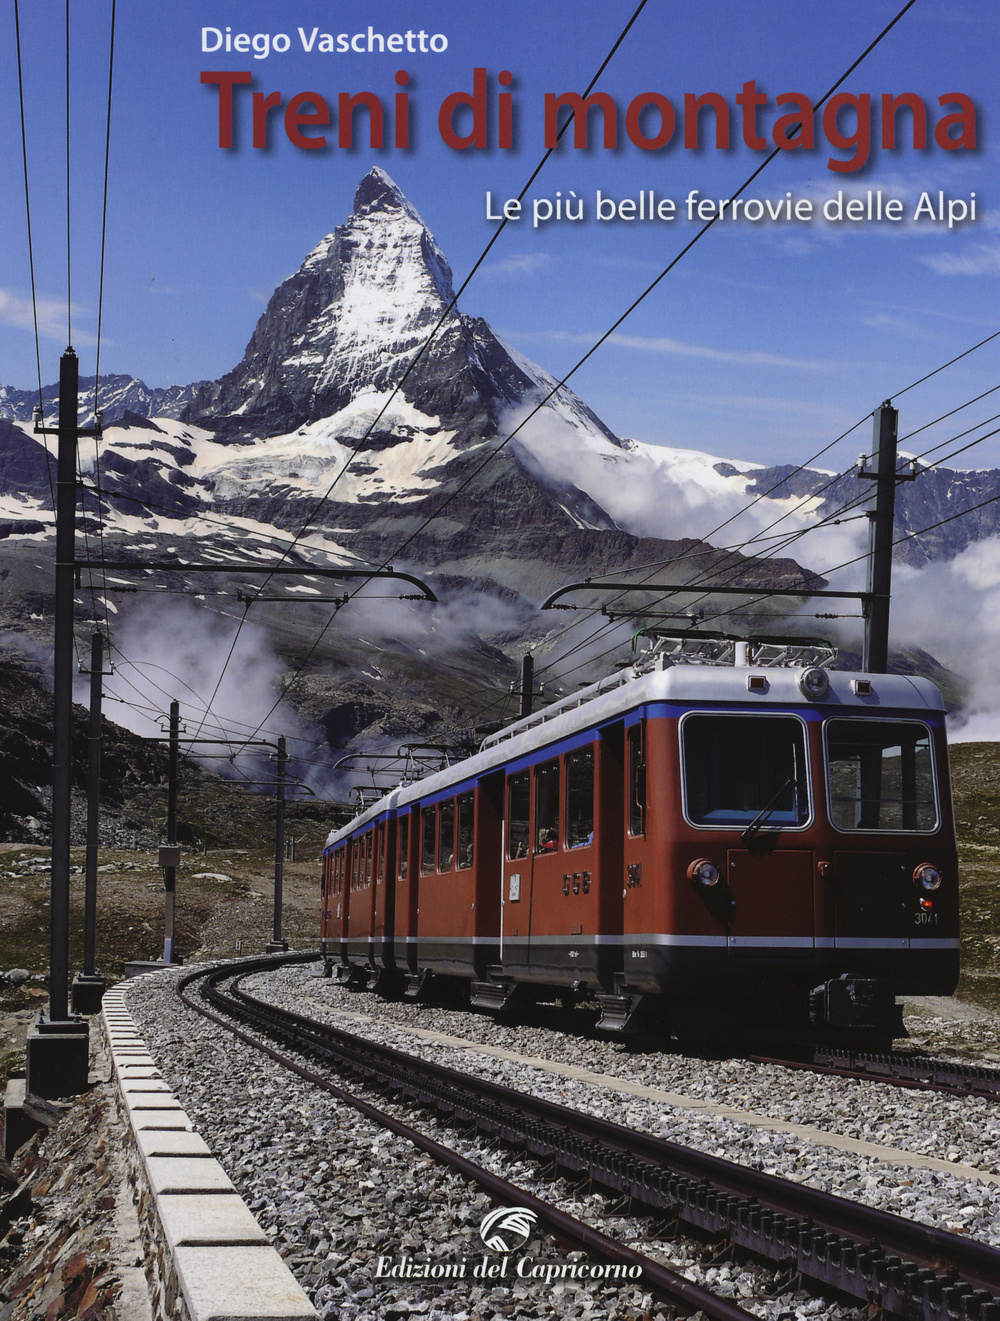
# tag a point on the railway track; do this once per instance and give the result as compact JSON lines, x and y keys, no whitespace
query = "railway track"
{"x":833,"y":1245}
{"x":912,"y":1070}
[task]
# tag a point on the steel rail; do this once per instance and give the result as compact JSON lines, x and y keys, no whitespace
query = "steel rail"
{"x":836,"y":1242}
{"x":663,"y":1283}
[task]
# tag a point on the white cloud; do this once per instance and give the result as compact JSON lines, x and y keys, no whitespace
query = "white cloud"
{"x":983,"y":260}
{"x":518,"y":263}
{"x":677,"y":348}
{"x":901,"y":325}
{"x":51,"y":312}
{"x":952,"y":609}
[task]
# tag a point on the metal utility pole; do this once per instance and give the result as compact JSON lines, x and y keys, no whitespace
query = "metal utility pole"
{"x":527,"y":684}
{"x":57,"y":1048}
{"x":62,"y":733}
{"x":93,"y":804}
{"x":170,"y":854}
{"x":88,"y":986}
{"x":880,"y":532}
{"x":277,"y":944}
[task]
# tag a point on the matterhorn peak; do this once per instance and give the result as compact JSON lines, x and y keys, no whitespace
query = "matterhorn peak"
{"x":371,"y":309}
{"x":377,"y":192}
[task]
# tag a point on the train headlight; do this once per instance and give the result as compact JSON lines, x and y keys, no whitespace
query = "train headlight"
{"x":927,"y":877}
{"x":814,"y":683}
{"x":703,"y":872}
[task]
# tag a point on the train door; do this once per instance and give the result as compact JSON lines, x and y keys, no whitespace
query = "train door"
{"x":326,"y":893}
{"x":404,"y":943}
{"x":750,"y":773}
{"x":487,"y":860}
{"x":337,"y":921}
{"x":517,"y":867}
{"x":546,"y":922}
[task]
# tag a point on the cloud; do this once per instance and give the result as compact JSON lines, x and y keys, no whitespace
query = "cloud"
{"x":167,"y":649}
{"x":898,"y":324}
{"x":677,"y":348}
{"x":51,"y":313}
{"x":983,"y":260}
{"x":517,"y":264}
{"x":952,"y":609}
{"x":657,"y":491}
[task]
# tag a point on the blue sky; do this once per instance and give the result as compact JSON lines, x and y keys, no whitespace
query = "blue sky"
{"x":766,"y":341}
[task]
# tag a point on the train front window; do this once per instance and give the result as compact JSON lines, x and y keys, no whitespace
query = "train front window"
{"x":881,"y":775}
{"x":738,"y":767}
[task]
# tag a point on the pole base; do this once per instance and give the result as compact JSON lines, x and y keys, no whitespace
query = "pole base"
{"x":88,"y":992}
{"x":276,"y":947}
{"x":58,"y":1057}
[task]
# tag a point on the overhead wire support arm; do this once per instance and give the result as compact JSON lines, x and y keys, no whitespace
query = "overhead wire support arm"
{"x":294,"y":570}
{"x":704,"y":588}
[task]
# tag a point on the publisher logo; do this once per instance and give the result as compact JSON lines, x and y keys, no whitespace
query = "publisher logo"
{"x":505,"y":1232}
{"x":507,"y":1228}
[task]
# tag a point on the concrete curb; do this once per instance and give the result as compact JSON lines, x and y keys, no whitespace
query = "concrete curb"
{"x":207,"y":1258}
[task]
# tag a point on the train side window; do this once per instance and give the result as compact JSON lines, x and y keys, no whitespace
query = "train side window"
{"x":369,"y":850}
{"x":428,"y":824}
{"x":383,"y":830}
{"x":880,"y":775}
{"x":403,"y":828}
{"x":637,"y":779}
{"x":518,"y":807}
{"x":579,"y":798}
{"x":547,"y":807}
{"x":446,"y":845}
{"x":355,"y":860}
{"x":466,"y":829}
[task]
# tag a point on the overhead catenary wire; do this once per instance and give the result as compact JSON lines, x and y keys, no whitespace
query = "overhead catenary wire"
{"x":408,"y":540}
{"x":31,"y":249}
{"x":69,"y":262}
{"x":100,"y":312}
{"x":447,"y":311}
{"x":827,"y":520}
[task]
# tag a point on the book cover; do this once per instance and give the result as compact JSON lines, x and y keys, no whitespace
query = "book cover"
{"x":498,"y":300}
{"x":759,"y":225}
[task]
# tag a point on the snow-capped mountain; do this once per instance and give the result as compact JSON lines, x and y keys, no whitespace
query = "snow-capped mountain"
{"x":335,"y":422}
{"x":332,"y":398}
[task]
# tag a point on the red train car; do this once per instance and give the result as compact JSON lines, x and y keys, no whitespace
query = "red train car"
{"x":703,"y":849}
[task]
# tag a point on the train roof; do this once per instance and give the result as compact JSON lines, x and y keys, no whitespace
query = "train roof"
{"x":690,"y":686}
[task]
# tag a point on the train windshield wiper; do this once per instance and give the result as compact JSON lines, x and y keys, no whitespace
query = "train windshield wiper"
{"x":757,"y":823}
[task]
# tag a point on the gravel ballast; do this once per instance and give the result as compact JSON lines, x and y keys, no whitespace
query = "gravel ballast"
{"x":335,"y":1193}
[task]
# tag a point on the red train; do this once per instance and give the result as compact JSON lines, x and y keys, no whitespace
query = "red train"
{"x":701,"y":849}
